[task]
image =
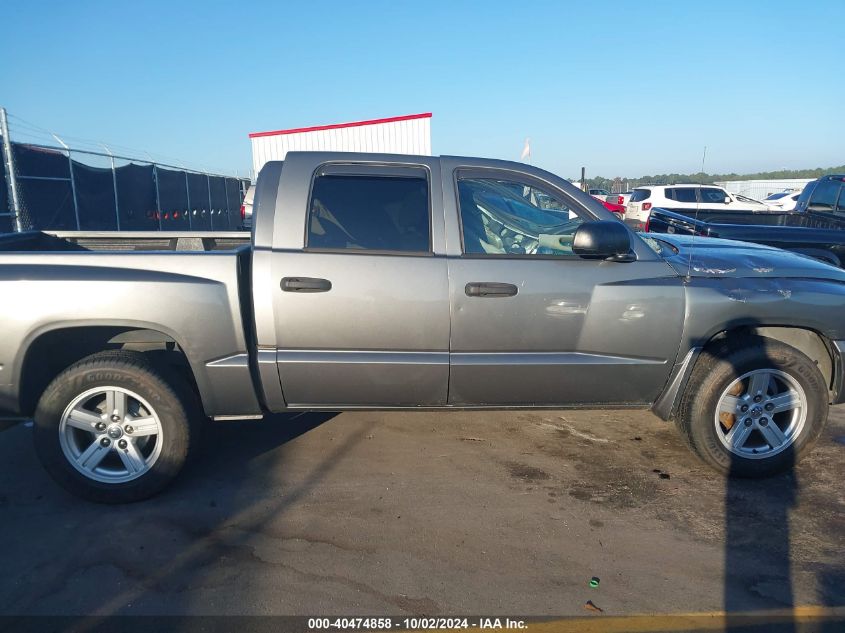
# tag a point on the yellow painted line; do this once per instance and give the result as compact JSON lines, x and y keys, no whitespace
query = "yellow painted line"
{"x":705,"y":621}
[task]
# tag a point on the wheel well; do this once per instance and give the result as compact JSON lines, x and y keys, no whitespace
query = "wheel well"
{"x":56,"y":350}
{"x":810,"y":343}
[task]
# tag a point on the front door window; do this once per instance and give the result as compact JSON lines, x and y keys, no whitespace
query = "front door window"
{"x":503,"y":217}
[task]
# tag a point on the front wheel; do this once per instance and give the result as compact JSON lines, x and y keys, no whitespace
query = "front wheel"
{"x":753,"y":407}
{"x":112,"y":429}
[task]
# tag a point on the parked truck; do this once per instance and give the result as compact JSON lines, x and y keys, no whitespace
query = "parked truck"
{"x":403,"y":282}
{"x":816,"y":227}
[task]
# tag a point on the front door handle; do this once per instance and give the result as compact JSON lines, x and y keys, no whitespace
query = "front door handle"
{"x":305,"y":284}
{"x":490,"y":289}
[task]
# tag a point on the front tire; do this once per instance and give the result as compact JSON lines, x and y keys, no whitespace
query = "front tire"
{"x":113,"y":428}
{"x":753,"y":407}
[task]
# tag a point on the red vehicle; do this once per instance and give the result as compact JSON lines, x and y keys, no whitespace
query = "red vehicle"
{"x":618,"y":209}
{"x":612,"y":202}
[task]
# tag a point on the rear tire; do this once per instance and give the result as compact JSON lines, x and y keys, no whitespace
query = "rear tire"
{"x":115,"y":429}
{"x":753,"y":407}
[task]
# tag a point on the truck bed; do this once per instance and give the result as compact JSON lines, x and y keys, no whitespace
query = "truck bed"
{"x":762,"y":218}
{"x":152,"y":286}
{"x":175,"y":241}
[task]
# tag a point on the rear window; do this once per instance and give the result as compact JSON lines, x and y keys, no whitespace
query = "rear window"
{"x":640,"y":194}
{"x":681,"y":194}
{"x":383,"y":213}
{"x":824,"y":195}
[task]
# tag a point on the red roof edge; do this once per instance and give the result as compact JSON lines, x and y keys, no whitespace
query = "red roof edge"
{"x":393,"y":119}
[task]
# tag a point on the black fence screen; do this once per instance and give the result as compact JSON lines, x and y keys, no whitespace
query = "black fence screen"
{"x":200,"y":211}
{"x":235,"y":191}
{"x":95,"y":198}
{"x":173,"y":199}
{"x":219,"y":212}
{"x":61,"y":190}
{"x":136,"y":198}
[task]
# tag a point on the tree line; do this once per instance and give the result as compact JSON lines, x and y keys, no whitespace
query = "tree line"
{"x":617,"y":183}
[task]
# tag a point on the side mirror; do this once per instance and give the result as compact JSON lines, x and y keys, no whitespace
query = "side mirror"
{"x":727,"y":199}
{"x":604,"y":239}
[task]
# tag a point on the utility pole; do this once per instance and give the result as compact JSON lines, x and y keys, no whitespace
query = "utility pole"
{"x":583,"y":179}
{"x":11,"y":177}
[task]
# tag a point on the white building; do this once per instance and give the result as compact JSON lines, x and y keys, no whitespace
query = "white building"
{"x":409,"y":134}
{"x":759,"y":189}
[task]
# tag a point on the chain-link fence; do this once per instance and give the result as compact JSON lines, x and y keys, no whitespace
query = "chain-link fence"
{"x":63,"y":188}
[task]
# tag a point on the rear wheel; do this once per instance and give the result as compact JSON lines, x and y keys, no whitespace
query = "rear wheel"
{"x":753,"y":407}
{"x":113,"y":429}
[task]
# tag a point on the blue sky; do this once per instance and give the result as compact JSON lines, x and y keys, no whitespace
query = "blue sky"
{"x":623,"y":88}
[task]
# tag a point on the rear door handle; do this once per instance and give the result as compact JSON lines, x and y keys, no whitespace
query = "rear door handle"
{"x":490,"y":289}
{"x":305,"y":284}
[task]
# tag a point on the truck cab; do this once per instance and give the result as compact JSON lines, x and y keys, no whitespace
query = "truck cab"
{"x":404,"y":288}
{"x":826,"y":195}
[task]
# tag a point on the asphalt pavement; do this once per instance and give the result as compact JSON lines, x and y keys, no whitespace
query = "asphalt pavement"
{"x":432,"y":513}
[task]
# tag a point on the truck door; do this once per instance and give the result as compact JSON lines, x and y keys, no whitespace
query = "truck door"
{"x":534,"y":324}
{"x":362,"y":304}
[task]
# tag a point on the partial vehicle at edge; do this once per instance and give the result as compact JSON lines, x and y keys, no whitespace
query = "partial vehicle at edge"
{"x":691,"y":196}
{"x":815,"y":228}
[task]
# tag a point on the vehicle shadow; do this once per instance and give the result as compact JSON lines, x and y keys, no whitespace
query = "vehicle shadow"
{"x":146,"y":558}
{"x":758,"y":568}
{"x":757,"y":537}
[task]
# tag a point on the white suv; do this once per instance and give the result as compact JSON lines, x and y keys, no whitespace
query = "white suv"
{"x":643,"y":199}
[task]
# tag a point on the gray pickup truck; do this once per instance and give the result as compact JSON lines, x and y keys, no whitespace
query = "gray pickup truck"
{"x":403,"y":282}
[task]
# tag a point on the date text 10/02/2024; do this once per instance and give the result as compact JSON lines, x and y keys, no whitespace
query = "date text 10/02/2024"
{"x":415,"y":623}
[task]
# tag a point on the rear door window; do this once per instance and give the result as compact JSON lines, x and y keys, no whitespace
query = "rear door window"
{"x":640,"y":194}
{"x":369,"y":213}
{"x":684,"y":194}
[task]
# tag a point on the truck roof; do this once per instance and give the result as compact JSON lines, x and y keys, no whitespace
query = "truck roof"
{"x":680,"y":184}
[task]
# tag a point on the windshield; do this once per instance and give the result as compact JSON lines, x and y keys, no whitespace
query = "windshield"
{"x":742,"y":198}
{"x":777,"y":196}
{"x":805,"y":195}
